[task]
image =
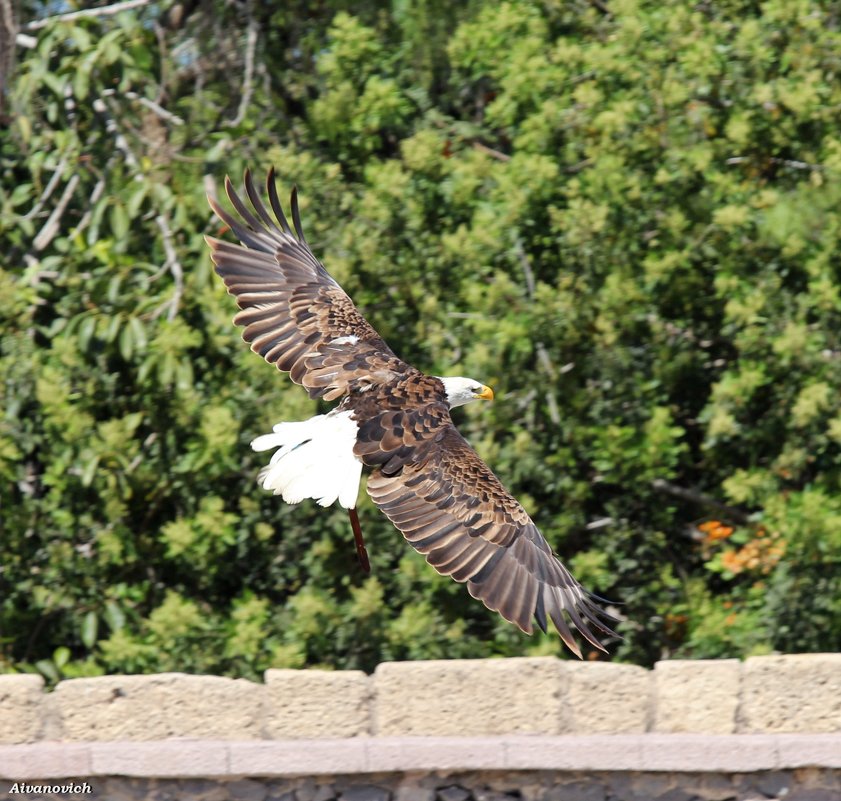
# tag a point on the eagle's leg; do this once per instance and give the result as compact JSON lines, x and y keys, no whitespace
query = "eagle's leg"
{"x":361,"y":553}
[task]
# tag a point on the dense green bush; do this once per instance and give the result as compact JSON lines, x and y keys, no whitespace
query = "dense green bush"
{"x":626,"y":222}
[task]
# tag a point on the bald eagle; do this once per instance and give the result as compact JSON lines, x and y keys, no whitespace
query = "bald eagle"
{"x":391,"y":418}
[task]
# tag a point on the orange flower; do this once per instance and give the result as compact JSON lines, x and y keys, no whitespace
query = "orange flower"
{"x":715,"y":530}
{"x":732,"y":561}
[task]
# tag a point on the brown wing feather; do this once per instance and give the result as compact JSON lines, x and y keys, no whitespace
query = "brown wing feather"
{"x":449,"y":505}
{"x":291,"y":308}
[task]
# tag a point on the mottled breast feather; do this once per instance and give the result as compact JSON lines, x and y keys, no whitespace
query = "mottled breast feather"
{"x":452,"y":508}
{"x":294,"y":314}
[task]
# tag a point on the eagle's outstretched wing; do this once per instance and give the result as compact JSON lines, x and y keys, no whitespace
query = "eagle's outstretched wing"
{"x":451,"y":507}
{"x":427,"y":479}
{"x":295,"y":315}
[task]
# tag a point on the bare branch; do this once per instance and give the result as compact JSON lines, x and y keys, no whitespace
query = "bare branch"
{"x":93,"y":199}
{"x":526,"y":265}
{"x":794,"y":164}
{"x":51,"y":226}
{"x":8,"y":38}
{"x":577,"y":167}
{"x":168,"y":116}
{"x":489,"y":151}
{"x":700,"y":498}
{"x":248,"y":77}
{"x":103,"y":11}
{"x":545,"y":361}
{"x":163,"y":61}
{"x":209,"y":184}
{"x":48,"y":190}
{"x":542,"y":354}
{"x":119,"y":140}
{"x":173,"y":265}
{"x":797,"y":165}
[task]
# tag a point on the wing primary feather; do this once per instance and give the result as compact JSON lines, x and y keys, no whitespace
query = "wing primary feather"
{"x":296,"y":217}
{"x":557,"y":616}
{"x":274,"y":200}
{"x":540,"y":609}
{"x":245,"y":235}
{"x":243,"y":210}
{"x":256,"y":201}
{"x":582,"y":627}
{"x":599,"y":624}
{"x":605,"y":601}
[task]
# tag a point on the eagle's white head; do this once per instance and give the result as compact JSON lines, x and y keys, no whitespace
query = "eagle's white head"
{"x":463,"y":390}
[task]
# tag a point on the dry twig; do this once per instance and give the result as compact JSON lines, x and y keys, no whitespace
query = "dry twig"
{"x":48,"y":190}
{"x":119,"y":140}
{"x":701,"y":498}
{"x":53,"y":223}
{"x":248,"y":77}
{"x":98,"y":189}
{"x":159,"y":110}
{"x":102,"y":11}
{"x":173,"y":265}
{"x":489,"y":151}
{"x":542,"y":354}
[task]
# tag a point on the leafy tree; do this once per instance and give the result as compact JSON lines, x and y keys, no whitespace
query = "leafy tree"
{"x":624,"y":219}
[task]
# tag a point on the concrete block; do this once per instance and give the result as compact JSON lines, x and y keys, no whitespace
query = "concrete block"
{"x":21,"y":707}
{"x":163,"y":760}
{"x":810,"y":750}
{"x":697,"y":696}
{"x":159,"y":706}
{"x":468,"y":697}
{"x":794,"y":693}
{"x":691,"y":753}
{"x":443,"y":754}
{"x":298,"y":757}
{"x":317,"y":703}
{"x":574,"y":753}
{"x":34,"y":761}
{"x":605,"y":698}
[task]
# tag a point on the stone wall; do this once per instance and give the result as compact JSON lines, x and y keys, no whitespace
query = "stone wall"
{"x":534,"y":729}
{"x":765,"y":694}
{"x":811,"y":785}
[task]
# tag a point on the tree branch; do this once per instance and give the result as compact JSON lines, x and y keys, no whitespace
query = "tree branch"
{"x":542,"y":354}
{"x":793,"y":163}
{"x":168,"y":116}
{"x":489,"y":151}
{"x":51,"y":226}
{"x":248,"y":77}
{"x":98,"y":190}
{"x":173,"y":265}
{"x":103,"y":11}
{"x":700,"y":498}
{"x":48,"y":190}
{"x":119,"y":140}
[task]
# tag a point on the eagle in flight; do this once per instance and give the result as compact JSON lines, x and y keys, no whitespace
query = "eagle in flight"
{"x":391,"y":418}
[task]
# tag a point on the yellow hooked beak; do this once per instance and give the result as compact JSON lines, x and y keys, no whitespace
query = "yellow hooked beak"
{"x":486,"y":393}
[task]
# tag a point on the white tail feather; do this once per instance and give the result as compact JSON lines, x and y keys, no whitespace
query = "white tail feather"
{"x":314,"y":459}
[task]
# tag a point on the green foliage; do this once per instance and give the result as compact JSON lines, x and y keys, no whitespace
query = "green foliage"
{"x":627,"y":223}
